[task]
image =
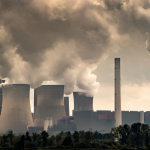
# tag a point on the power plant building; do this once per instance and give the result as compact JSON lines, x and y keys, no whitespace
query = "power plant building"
{"x":99,"y":120}
{"x":118,"y":117}
{"x":105,"y":119}
{"x":66,"y":104}
{"x":16,"y":112}
{"x":82,"y":102}
{"x":130,"y":117}
{"x":49,"y":103}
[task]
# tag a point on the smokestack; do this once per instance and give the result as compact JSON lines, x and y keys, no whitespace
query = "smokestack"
{"x":66,"y":103}
{"x":118,"y":116}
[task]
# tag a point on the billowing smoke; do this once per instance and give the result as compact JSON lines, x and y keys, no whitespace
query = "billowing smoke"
{"x":63,"y":41}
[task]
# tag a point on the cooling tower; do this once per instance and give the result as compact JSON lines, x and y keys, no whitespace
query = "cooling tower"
{"x":49,"y":103}
{"x":16,"y":112}
{"x":81,"y":102}
{"x":118,"y":116}
{"x":66,"y":103}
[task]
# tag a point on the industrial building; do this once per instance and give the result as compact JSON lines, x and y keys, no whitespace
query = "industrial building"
{"x":82,"y":102}
{"x":147,"y":117}
{"x":51,"y":108}
{"x":66,"y":104}
{"x":16,"y":112}
{"x":85,"y":118}
{"x":105,"y":120}
{"x":99,"y":120}
{"x":48,"y":102}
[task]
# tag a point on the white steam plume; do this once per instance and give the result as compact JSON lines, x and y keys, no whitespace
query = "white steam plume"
{"x":63,"y":41}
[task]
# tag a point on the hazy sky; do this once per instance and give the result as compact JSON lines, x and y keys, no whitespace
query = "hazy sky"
{"x":75,"y":43}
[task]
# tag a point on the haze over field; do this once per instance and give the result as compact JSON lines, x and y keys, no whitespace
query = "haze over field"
{"x":75,"y":43}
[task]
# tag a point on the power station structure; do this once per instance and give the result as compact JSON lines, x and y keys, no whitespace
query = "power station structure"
{"x":118,"y":117}
{"x":66,"y":104}
{"x":86,"y":119}
{"x":51,"y":107}
{"x":82,"y":102}
{"x":16,"y":112}
{"x":48,"y":102}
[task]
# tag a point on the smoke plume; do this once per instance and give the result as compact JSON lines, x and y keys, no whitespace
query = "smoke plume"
{"x":64,"y":41}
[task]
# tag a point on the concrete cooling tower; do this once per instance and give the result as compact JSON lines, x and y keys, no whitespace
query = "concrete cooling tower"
{"x":49,"y":101}
{"x":81,"y":102}
{"x":16,"y":112}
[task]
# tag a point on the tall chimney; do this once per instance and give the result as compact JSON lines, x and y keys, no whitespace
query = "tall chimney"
{"x":118,"y":116}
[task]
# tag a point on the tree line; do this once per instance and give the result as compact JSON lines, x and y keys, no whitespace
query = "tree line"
{"x":123,"y":137}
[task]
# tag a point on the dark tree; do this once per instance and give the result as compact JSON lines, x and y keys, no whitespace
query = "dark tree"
{"x":144,"y":130}
{"x":27,"y":137}
{"x":81,"y":133}
{"x":59,"y":139}
{"x":136,"y":133}
{"x":67,"y":141}
{"x":22,"y":141}
{"x":88,"y":136}
{"x":100,"y":136}
{"x":95,"y":135}
{"x":44,"y":136}
{"x":124,"y":134}
{"x":10,"y":137}
{"x":4,"y":140}
{"x":147,"y":140}
{"x":76,"y":137}
{"x":68,"y":133}
{"x":52,"y":141}
{"x":34,"y":137}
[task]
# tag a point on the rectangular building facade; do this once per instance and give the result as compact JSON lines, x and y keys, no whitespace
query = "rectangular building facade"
{"x":105,"y":120}
{"x":86,"y":120}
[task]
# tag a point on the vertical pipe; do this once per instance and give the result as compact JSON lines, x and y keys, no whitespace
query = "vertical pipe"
{"x":142,"y":117}
{"x":118,"y":116}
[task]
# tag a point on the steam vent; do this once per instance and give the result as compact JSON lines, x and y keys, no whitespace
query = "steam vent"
{"x":49,"y":102}
{"x":16,"y":112}
{"x":118,"y":116}
{"x":81,"y":102}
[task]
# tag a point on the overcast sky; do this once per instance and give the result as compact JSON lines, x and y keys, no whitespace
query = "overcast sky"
{"x":74,"y":43}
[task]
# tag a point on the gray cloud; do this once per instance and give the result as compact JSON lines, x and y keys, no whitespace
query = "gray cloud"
{"x":65,"y":40}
